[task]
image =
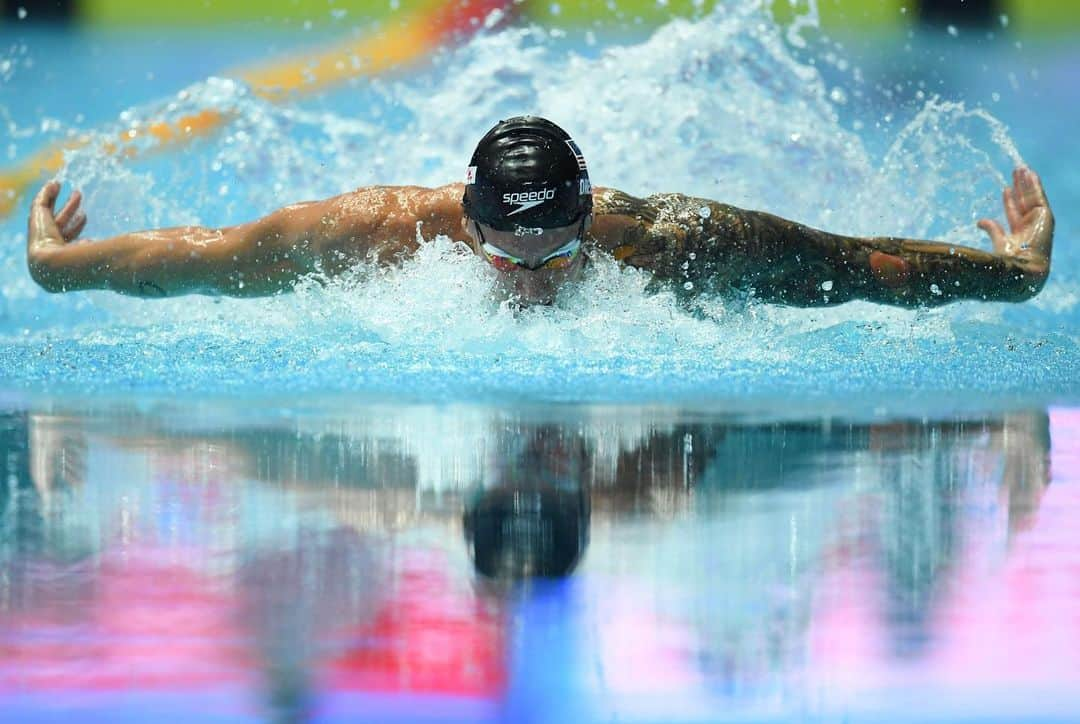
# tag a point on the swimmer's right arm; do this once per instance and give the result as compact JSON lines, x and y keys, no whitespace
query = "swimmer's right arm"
{"x":262,"y":257}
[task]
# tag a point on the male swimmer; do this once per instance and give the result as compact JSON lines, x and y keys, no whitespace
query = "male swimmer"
{"x":528,"y":208}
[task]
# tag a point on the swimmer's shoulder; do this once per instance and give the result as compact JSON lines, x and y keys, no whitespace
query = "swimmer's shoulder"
{"x":662,"y":232}
{"x":625,"y":226}
{"x":386,"y":221}
{"x":399,"y":212}
{"x":619,"y":220}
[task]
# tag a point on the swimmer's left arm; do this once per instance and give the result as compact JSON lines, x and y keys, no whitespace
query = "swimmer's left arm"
{"x":786,"y":262}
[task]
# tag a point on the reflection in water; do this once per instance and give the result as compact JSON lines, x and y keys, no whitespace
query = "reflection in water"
{"x":328,"y":565}
{"x":523,"y":532}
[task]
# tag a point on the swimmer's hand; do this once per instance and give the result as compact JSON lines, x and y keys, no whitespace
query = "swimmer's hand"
{"x":1031,"y":224}
{"x":48,"y":228}
{"x":49,"y":231}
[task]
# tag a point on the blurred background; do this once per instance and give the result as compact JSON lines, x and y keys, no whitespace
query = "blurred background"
{"x":129,"y":51}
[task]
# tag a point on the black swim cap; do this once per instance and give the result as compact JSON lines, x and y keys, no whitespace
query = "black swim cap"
{"x":527,"y":172}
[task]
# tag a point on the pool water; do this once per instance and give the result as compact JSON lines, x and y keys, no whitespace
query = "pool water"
{"x":321,"y":505}
{"x":183,"y":560}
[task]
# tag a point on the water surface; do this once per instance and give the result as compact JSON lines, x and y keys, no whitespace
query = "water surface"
{"x":162,"y":561}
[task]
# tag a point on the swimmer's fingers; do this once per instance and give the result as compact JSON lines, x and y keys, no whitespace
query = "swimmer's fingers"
{"x":71,"y":220}
{"x":997,"y":234}
{"x":1012,"y":212}
{"x":74,"y":227}
{"x":1029,"y":189}
{"x":42,"y":227}
{"x":64,"y":216}
{"x":1036,"y":219}
{"x":46,"y":197}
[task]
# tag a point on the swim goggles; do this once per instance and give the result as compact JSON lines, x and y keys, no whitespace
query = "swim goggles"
{"x":561,"y":258}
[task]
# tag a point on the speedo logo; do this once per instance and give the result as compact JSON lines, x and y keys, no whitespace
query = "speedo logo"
{"x":526,"y":200}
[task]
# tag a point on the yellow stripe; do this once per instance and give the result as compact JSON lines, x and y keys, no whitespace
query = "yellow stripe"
{"x":394,"y":46}
{"x":215,"y":12}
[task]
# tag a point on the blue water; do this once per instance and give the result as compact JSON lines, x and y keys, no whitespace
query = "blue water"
{"x":907,"y":136}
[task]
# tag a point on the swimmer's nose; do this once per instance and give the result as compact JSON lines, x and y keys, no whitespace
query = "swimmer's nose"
{"x":534,"y":288}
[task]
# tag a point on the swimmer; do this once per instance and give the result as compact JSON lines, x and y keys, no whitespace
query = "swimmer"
{"x":528,"y":208}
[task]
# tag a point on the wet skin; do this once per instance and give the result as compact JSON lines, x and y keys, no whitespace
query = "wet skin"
{"x":726,"y":250}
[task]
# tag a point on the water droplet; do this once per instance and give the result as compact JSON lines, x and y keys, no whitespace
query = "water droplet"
{"x":21,"y":13}
{"x":223,"y":190}
{"x":1004,"y":19}
{"x":953,"y":31}
{"x":837,"y":95}
{"x":704,"y":212}
{"x":935,"y":289}
{"x":338,"y":13}
{"x":555,"y":9}
{"x":688,"y":286}
{"x":827,"y":285}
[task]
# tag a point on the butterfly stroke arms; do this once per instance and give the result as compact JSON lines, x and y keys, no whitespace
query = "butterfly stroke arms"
{"x":678,"y":238}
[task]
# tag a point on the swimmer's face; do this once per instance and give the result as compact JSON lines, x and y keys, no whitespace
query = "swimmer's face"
{"x":530,"y":286}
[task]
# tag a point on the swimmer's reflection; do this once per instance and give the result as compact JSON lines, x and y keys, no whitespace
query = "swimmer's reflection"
{"x":527,"y":531}
{"x":528,"y":516}
{"x":768,"y":495}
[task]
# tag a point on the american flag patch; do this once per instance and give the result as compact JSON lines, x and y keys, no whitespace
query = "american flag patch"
{"x":470,"y":175}
{"x":577,"y":154}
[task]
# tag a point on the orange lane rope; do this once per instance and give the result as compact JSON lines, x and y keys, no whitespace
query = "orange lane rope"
{"x":418,"y":35}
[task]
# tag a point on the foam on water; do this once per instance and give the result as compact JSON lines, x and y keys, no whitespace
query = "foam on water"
{"x":729,"y":106}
